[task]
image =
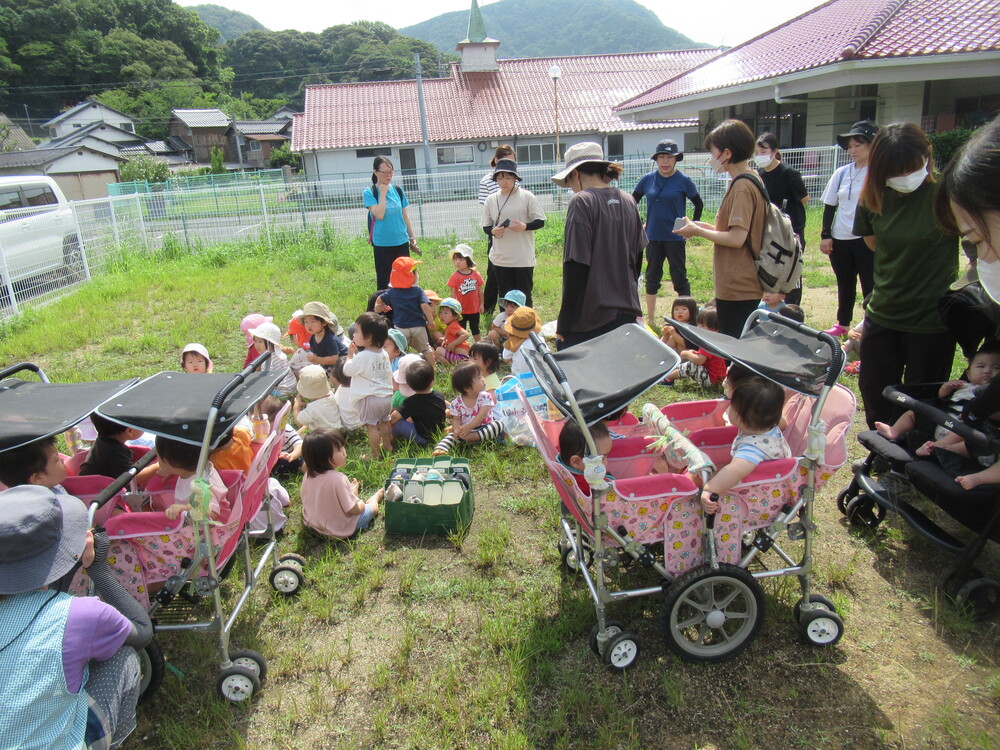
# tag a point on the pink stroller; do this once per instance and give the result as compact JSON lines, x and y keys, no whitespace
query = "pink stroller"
{"x":713,"y":605}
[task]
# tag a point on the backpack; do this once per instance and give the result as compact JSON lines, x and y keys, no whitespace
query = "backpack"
{"x":779,"y":259}
{"x":371,"y":218}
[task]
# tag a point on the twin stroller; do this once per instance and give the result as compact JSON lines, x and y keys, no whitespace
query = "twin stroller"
{"x":174,"y":568}
{"x":712,"y":604}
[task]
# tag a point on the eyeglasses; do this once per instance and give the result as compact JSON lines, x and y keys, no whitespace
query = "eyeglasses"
{"x":386,"y":171}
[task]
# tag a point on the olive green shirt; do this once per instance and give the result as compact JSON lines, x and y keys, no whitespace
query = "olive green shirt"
{"x":915,"y":261}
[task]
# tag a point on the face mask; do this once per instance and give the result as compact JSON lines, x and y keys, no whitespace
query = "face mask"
{"x":989,"y":277}
{"x":716,"y":165}
{"x":762,"y":160}
{"x":907,"y":183}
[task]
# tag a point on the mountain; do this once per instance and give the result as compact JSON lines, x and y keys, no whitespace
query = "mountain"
{"x":230,"y":23}
{"x":553,"y":28}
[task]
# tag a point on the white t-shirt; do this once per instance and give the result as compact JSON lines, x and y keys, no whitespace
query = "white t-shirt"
{"x":518,"y":362}
{"x":514,"y":249}
{"x":843,"y":191}
{"x":324,"y":412}
{"x":370,"y":372}
{"x":348,"y":411}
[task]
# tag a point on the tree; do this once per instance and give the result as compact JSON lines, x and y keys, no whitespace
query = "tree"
{"x":144,"y":168}
{"x":218,"y":161}
{"x":283,"y":155}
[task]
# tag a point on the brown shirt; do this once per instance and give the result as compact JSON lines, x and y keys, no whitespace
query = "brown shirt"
{"x":733,"y":268}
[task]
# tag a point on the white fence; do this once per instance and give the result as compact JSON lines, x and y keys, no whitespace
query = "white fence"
{"x":442,"y":204}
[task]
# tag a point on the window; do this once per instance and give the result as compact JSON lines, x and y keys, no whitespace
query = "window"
{"x":254,"y":145}
{"x":616,"y":146}
{"x":10,"y":199}
{"x":867,"y":109}
{"x":128,"y":126}
{"x":77,"y":124}
{"x":39,"y":195}
{"x":371,"y":153}
{"x":536,"y":153}
{"x":455,"y":155}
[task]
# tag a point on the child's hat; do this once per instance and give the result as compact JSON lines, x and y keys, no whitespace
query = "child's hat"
{"x":523,"y":321}
{"x":269,"y":332}
{"x":199,"y":349}
{"x":517,"y":297}
{"x":402,"y":276}
{"x":464,"y":250}
{"x":398,"y":338}
{"x":313,"y":384}
{"x":432,"y":295}
{"x":454,"y":305}
{"x":321,"y":311}
{"x":42,"y":537}
{"x":252,"y":321}
{"x":400,"y":375}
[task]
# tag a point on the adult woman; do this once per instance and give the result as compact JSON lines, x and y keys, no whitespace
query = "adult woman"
{"x":849,"y":255}
{"x":602,"y":249}
{"x":739,"y":227}
{"x":488,"y":186}
{"x":915,"y":262}
{"x":69,"y":676}
{"x":510,"y":218}
{"x":666,"y":191}
{"x":786,"y":190}
{"x":391,"y":232}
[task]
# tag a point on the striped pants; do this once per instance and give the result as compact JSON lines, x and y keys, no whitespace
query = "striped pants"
{"x":485,"y":432}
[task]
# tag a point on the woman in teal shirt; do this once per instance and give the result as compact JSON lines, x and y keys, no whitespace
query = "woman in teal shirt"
{"x":391,"y":232}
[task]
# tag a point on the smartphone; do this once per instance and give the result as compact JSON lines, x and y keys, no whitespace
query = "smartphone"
{"x":506,"y":223}
{"x":679,"y":222}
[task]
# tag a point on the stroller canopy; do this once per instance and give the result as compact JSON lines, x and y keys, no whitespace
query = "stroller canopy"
{"x":794,"y":359}
{"x":33,"y":411}
{"x":606,"y":373}
{"x":176,"y":404}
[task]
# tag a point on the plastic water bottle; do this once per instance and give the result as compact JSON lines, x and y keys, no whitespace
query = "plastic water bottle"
{"x":74,"y":440}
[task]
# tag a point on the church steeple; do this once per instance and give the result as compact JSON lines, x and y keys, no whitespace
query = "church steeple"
{"x":479,"y":52}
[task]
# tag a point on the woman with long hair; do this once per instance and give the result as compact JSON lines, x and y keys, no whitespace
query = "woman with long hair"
{"x":391,"y":232}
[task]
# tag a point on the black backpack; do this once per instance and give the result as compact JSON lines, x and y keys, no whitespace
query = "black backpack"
{"x":779,"y":259}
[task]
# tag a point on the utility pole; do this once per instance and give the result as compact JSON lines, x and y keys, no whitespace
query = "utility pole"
{"x":423,"y":114}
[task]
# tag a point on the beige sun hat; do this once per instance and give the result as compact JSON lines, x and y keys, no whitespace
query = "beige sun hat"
{"x":313,"y":384}
{"x":321,"y":311}
{"x":577,"y":154}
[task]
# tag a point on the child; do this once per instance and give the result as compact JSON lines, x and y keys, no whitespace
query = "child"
{"x":235,"y":452}
{"x":252,"y":321}
{"x":109,"y":456}
{"x":411,"y":309}
{"x":402,"y":391}
{"x":793,"y":312}
{"x":518,"y":326}
{"x":467,"y":287}
{"x":573,"y":447}
{"x":487,"y":356}
{"x":323,"y":411}
{"x":684,"y":310}
{"x":195,"y":359}
{"x":395,"y":346}
{"x":177,"y":459}
{"x":436,"y":333}
{"x":35,"y":463}
{"x":471,"y":411}
{"x":348,"y":413}
{"x":982,"y":367}
{"x":511,"y":301}
{"x":371,"y":381}
{"x":853,"y":346}
{"x":330,"y":503}
{"x":455,"y":344}
{"x":300,"y":352}
{"x":701,"y":366}
{"x":290,"y":458}
{"x":267,"y":338}
{"x":755,"y":410}
{"x":772,"y":301}
{"x":325,"y":344}
{"x":422,"y":413}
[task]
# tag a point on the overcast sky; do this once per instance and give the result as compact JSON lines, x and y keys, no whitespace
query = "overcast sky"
{"x":720,"y":22}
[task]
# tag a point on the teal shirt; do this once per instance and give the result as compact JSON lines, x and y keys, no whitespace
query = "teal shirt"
{"x":915,"y":261}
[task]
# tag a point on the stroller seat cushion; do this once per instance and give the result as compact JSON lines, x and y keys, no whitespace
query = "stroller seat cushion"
{"x":972,"y":508}
{"x":898,"y":455}
{"x":654,"y":485}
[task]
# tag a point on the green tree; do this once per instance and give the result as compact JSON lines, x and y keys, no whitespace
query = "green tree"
{"x":218,"y":161}
{"x":283,"y":155}
{"x":144,"y":168}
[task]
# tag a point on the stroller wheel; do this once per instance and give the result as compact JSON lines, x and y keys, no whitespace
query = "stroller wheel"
{"x":949,"y":582}
{"x":865,"y":513}
{"x":252,"y":660}
{"x":292,"y":559}
{"x":613,"y":628}
{"x":569,"y":560}
{"x":151,"y":668}
{"x":287,"y":579}
{"x":622,"y":651}
{"x":844,"y":498}
{"x":983,"y":594}
{"x":818,"y":601}
{"x":710,"y":615}
{"x":821,"y":627}
{"x":237,"y":684}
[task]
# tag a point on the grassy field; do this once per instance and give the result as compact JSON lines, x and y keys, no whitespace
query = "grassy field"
{"x":479,"y":640}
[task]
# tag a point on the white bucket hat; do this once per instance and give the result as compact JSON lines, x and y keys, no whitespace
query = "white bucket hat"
{"x":269,"y":332}
{"x":577,"y":154}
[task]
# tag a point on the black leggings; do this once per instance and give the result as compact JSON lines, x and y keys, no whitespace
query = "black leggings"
{"x":733,"y":314}
{"x":384,"y":257}
{"x":852,"y":261}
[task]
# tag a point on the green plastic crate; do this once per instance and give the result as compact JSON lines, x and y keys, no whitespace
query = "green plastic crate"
{"x":446,"y":503}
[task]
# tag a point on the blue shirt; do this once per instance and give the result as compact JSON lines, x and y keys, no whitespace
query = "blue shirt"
{"x":391,"y":229}
{"x":405,"y":304}
{"x":666,"y":199}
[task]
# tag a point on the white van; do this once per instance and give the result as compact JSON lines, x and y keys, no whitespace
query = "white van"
{"x":37,"y":233}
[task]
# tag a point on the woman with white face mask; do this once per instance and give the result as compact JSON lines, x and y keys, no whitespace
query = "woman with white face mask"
{"x":738,"y":228}
{"x":905,"y":340}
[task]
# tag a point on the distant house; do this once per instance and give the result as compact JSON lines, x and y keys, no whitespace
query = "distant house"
{"x":13,"y":137}
{"x":82,"y":172}
{"x":933,"y":62}
{"x":253,"y":140}
{"x":97,"y":134}
{"x":202,"y":130}
{"x":85,"y":114}
{"x":284,"y":113}
{"x":485,"y":102}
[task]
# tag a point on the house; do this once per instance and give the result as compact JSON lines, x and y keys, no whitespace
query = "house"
{"x":85,"y":114}
{"x":201,"y":130}
{"x":253,"y":140}
{"x":82,"y":172}
{"x":97,"y":134}
{"x":13,"y":137}
{"x":284,"y":112}
{"x":933,"y":62}
{"x":484,"y":102}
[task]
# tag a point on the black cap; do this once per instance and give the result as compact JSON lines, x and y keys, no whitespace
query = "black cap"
{"x":865,"y":130}
{"x":667,"y":146}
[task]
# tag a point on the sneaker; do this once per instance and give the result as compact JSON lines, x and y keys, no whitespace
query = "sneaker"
{"x":837,"y":330}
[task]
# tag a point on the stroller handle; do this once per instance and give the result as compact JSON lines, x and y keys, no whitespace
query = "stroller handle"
{"x":238,"y":379}
{"x":710,"y":518}
{"x":21,"y":367}
{"x":550,"y":361}
{"x":943,"y":419}
{"x":836,"y":353}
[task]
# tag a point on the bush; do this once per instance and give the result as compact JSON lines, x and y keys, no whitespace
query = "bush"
{"x":947,"y":143}
{"x":143,"y":168}
{"x":218,"y":161}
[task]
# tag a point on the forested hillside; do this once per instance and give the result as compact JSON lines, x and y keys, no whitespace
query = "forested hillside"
{"x":229,"y":23}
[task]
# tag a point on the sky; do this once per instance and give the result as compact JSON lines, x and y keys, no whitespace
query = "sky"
{"x":722,"y":22}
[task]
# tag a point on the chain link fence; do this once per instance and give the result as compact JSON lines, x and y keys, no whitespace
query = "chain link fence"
{"x":39,"y":265}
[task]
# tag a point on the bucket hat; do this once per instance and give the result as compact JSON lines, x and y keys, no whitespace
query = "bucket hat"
{"x":313,"y":384}
{"x":42,"y":536}
{"x":402,"y":275}
{"x":454,"y":305}
{"x":667,"y":146}
{"x":253,"y":320}
{"x":577,"y":154}
{"x":269,"y":332}
{"x":400,"y":375}
{"x":321,"y":311}
{"x":464,"y":250}
{"x":519,"y":325}
{"x":198,"y":349}
{"x":398,"y":338}
{"x":506,"y":165}
{"x":866,"y":129}
{"x":517,"y":297}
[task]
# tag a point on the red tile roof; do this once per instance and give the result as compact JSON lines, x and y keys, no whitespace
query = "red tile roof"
{"x":841,"y":30}
{"x":516,"y":100}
